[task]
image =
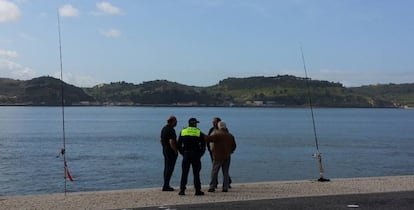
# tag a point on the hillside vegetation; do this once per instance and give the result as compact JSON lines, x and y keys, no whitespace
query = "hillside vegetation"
{"x":400,"y":94}
{"x":278,"y":91}
{"x":40,"y":91}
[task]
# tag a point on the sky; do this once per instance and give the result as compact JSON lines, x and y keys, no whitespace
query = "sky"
{"x":200,"y":42}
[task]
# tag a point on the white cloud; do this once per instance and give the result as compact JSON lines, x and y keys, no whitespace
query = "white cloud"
{"x":8,"y":53}
{"x":105,"y":8}
{"x":78,"y":80}
{"x":8,"y":11}
{"x":10,"y":69}
{"x":68,"y":11}
{"x":111,"y":33}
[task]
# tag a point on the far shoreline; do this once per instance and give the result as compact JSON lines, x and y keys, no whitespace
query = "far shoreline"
{"x":207,"y":106}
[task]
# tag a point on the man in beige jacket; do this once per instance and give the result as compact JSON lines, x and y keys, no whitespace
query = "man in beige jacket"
{"x":224,"y":146}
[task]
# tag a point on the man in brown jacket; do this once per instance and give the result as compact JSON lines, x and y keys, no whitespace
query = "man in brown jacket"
{"x":224,"y":146}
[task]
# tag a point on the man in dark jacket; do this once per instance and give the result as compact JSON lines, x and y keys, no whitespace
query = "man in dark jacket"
{"x":169,"y":150}
{"x":191,"y":145}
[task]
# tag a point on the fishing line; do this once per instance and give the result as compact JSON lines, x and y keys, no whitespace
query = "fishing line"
{"x":318,"y":155}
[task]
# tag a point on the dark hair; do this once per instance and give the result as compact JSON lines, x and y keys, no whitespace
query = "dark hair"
{"x":171,"y":119}
{"x":218,"y":119}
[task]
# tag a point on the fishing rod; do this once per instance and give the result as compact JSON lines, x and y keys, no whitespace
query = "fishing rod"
{"x":318,"y":155}
{"x":67,"y":175}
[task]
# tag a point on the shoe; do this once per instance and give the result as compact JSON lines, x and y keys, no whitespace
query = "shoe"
{"x":225,"y":190}
{"x":323,"y":180}
{"x":198,"y":192}
{"x":167,"y":189}
{"x":181,"y":192}
{"x":211,"y":190}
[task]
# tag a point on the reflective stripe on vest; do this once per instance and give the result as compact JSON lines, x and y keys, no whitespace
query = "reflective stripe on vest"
{"x":191,"y":131}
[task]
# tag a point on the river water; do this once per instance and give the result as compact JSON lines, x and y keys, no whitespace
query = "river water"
{"x":109,"y":148}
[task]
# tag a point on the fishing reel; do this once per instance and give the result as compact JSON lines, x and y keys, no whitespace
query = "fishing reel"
{"x":62,"y":153}
{"x":317,"y":155}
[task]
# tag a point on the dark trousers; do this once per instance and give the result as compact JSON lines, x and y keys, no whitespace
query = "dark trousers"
{"x":191,"y":159}
{"x":169,"y":163}
{"x":224,"y":165}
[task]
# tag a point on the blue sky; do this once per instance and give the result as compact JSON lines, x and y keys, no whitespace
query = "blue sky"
{"x":200,"y":42}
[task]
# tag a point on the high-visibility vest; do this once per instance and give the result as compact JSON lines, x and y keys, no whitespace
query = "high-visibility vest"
{"x":191,"y":131}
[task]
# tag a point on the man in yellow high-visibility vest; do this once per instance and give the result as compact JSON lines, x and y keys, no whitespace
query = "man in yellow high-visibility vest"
{"x":191,"y":145}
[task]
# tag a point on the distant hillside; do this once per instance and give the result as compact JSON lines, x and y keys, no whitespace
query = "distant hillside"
{"x":288,"y":90}
{"x":279,"y":91}
{"x":158,"y":92}
{"x":40,"y":91}
{"x":282,"y":90}
{"x":399,"y":94}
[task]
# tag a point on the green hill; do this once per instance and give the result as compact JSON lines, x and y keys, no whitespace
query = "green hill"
{"x":398,"y":94}
{"x":278,"y":91}
{"x":40,"y":91}
{"x":158,"y":92}
{"x":286,"y":90}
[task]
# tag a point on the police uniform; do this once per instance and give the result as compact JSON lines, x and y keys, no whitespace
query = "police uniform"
{"x":191,"y":145}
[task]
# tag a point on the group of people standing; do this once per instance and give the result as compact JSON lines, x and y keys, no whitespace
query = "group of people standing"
{"x":191,"y":144}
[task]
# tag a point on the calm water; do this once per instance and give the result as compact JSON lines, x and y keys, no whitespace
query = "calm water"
{"x":118,"y":147}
